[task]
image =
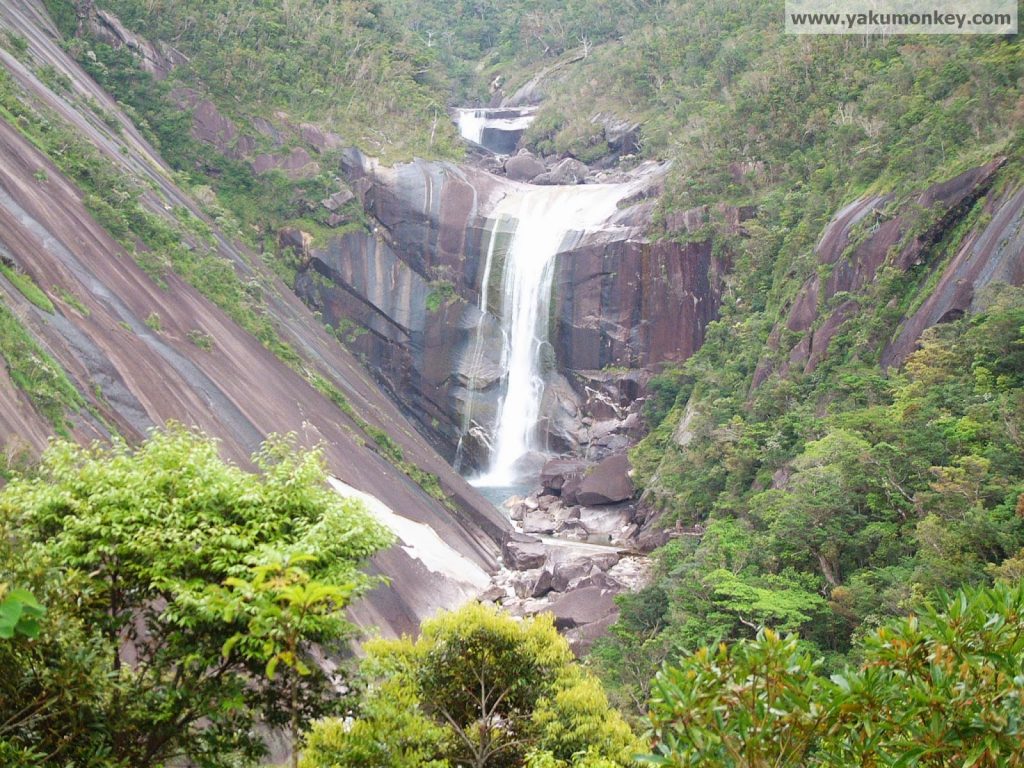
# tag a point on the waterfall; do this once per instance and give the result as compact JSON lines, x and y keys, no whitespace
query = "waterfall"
{"x":497,"y":128}
{"x":471,"y":124}
{"x":549,"y":219}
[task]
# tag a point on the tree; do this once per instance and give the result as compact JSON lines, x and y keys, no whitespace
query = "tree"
{"x":188,"y":582}
{"x":943,"y":688}
{"x":476,"y":689}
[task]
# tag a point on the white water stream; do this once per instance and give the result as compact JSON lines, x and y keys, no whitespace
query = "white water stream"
{"x":547,"y":219}
{"x":473,"y":121}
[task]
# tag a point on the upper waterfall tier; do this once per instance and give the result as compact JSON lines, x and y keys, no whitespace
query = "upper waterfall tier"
{"x":498,"y":130}
{"x":543,"y":221}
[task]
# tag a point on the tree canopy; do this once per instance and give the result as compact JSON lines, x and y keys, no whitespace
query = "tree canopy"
{"x":938,"y":689}
{"x":477,"y":688}
{"x":183,"y":597}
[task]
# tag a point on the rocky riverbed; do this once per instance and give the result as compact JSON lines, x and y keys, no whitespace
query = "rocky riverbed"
{"x":578,"y":542}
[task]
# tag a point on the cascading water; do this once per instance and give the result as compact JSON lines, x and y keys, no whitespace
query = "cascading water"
{"x":497,"y":128}
{"x":547,"y":217}
{"x":471,"y":124}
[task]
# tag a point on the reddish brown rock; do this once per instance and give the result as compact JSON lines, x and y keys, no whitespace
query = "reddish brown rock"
{"x":989,"y":254}
{"x":853,"y":268}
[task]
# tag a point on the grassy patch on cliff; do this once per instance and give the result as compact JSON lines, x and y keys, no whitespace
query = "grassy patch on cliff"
{"x":37,"y":375}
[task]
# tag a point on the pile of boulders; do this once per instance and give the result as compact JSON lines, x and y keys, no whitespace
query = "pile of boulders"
{"x":527,"y":167}
{"x":577,"y":586}
{"x":572,"y":551}
{"x":581,"y":501}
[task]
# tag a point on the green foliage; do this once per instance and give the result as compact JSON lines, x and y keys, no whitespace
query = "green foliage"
{"x":827,"y":521}
{"x":477,"y":688}
{"x":192,"y":590}
{"x":201,"y":339}
{"x":755,"y":704}
{"x":441,"y":293}
{"x":36,"y":374}
{"x":19,"y":613}
{"x":74,"y":302}
{"x":27,"y":288}
{"x":347,"y":65}
{"x":14,"y":42}
{"x":941,"y":689}
{"x":64,"y":15}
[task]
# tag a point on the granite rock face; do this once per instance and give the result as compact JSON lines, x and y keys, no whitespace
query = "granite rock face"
{"x":866,"y":235}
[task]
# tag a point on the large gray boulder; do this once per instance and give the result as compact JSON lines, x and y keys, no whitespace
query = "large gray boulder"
{"x":607,"y":519}
{"x":564,"y":172}
{"x":522,"y":552}
{"x":557,"y":471}
{"x":607,"y":483}
{"x":583,"y":606}
{"x":567,"y":573}
{"x":523,"y":167}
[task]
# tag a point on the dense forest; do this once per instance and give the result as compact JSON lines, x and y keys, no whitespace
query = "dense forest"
{"x":840,"y":582}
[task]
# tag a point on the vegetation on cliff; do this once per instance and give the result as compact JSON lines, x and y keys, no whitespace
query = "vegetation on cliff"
{"x":831,"y":502}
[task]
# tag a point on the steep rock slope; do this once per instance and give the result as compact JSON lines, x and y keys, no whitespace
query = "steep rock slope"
{"x":139,"y":352}
{"x":866,"y":236}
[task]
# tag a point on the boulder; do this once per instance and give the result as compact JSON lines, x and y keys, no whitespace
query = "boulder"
{"x":523,"y":167}
{"x":595,"y":577}
{"x":338,"y":199}
{"x":571,"y":488}
{"x":572,"y":530}
{"x":555,"y":473}
{"x":565,"y":172}
{"x":522,"y":552}
{"x":607,"y":483}
{"x":566,"y":574}
{"x":582,"y":606}
{"x":542,"y":585}
{"x":582,"y":639}
{"x":493,"y":595}
{"x":538,"y":521}
{"x":607,"y":519}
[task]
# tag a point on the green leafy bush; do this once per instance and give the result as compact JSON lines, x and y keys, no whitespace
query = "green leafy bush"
{"x":477,"y":688}
{"x":943,"y":688}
